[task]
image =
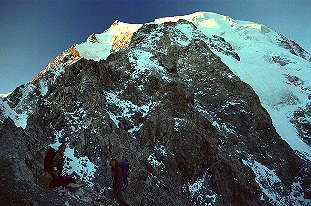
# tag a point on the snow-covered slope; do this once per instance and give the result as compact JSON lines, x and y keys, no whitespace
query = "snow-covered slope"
{"x":17,"y":114}
{"x":100,"y":46}
{"x":268,"y":62}
{"x":5,"y":95}
{"x":276,"y":68}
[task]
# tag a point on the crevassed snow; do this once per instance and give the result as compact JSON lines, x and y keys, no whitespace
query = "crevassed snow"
{"x":82,"y":166}
{"x":272,"y":186}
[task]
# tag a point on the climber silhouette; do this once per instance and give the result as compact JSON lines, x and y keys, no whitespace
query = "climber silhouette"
{"x":119,"y":180}
{"x":53,"y":164}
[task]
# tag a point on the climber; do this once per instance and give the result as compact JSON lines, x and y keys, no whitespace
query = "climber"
{"x":119,"y":179}
{"x":53,"y":164}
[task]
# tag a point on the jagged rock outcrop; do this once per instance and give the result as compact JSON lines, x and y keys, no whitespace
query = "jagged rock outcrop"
{"x":22,"y":179}
{"x":192,"y":131}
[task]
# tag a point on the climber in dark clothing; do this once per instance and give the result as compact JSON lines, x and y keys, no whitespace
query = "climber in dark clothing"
{"x":119,"y":183}
{"x":53,"y":164}
{"x":57,"y":167}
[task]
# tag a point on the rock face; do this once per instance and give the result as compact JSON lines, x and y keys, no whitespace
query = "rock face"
{"x":192,"y":131}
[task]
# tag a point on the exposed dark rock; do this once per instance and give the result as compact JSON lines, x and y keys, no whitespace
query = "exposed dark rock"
{"x":294,"y":48}
{"x":185,"y":119}
{"x":302,"y":123}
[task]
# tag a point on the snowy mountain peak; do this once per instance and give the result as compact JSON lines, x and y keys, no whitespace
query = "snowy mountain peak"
{"x":239,"y":34}
{"x":117,"y":37}
{"x":230,"y":97}
{"x":204,"y":19}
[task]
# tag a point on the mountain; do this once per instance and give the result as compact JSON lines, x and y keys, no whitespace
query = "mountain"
{"x":207,"y":110}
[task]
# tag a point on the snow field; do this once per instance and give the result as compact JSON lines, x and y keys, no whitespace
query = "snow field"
{"x":278,"y":97}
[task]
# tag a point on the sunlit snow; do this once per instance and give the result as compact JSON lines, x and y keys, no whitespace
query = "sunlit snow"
{"x":103,"y":47}
{"x":5,"y":95}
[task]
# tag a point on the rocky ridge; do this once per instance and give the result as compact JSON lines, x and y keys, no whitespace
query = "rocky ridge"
{"x":193,"y":132}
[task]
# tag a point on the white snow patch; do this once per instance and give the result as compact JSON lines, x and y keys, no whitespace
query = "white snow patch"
{"x":161,"y":149}
{"x":114,"y":118}
{"x":267,"y":180}
{"x":272,"y":186}
{"x":154,"y":162}
{"x":44,"y":87}
{"x":104,"y":46}
{"x":144,"y":65}
{"x":82,"y":166}
{"x":220,"y":126}
{"x":5,"y":95}
{"x":178,"y":122}
{"x":135,"y":129}
{"x":198,"y":190}
{"x":127,"y":110}
{"x":20,"y":119}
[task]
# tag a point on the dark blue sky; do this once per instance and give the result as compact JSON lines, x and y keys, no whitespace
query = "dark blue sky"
{"x":33,"y":32}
